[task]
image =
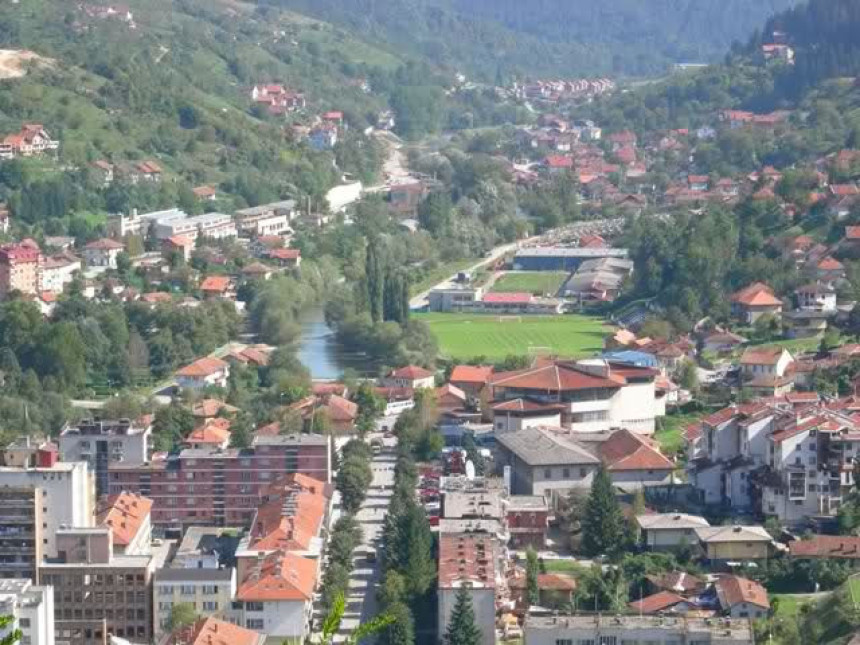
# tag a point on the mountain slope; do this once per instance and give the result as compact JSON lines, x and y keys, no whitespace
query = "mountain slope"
{"x":634,"y":37}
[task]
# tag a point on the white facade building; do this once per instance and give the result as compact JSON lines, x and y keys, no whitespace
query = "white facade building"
{"x":212,"y":225}
{"x":31,"y":609}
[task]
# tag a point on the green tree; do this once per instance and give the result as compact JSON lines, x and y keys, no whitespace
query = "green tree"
{"x":14,"y":635}
{"x":532,"y":570}
{"x":331,"y":625}
{"x":353,"y":479}
{"x":461,"y":629}
{"x":688,"y":376}
{"x":181,"y":615}
{"x":603,"y":530}
{"x":401,"y":631}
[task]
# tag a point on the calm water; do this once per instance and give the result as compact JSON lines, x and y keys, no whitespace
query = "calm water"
{"x":320,"y":353}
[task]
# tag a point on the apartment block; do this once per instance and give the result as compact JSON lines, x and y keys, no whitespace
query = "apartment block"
{"x":597,"y":628}
{"x":266,"y":219}
{"x":66,"y":496}
{"x":31,"y":609}
{"x":101,"y":443}
{"x":221,"y":487}
{"x":19,"y":268}
{"x":209,"y":591}
{"x":98,"y":592}
{"x":211,"y":225}
{"x":20,"y":532}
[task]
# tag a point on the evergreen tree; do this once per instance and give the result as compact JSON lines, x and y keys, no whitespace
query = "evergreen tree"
{"x":532,"y":570}
{"x":603,"y":524}
{"x":462,"y":629}
{"x":375,"y":282}
{"x":418,"y":564}
{"x":402,"y":629}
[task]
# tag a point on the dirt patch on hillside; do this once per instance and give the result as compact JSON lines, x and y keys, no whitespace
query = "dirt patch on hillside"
{"x":14,"y":63}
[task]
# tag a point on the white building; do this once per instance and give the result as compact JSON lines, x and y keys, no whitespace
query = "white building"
{"x":663,"y":531}
{"x":212,"y":225}
{"x":31,"y":609}
{"x":209,"y":590}
{"x":56,"y":272}
{"x":140,"y":224}
{"x":595,"y":395}
{"x":103,"y":253}
{"x":616,"y":630}
{"x":204,"y":372}
{"x":68,"y":496}
{"x":266,"y":219}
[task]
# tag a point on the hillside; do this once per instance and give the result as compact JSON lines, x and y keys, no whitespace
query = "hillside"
{"x":566,"y":37}
{"x":171,"y":83}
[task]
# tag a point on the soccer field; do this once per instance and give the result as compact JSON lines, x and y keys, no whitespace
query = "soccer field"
{"x":538,"y":283}
{"x":464,"y":336}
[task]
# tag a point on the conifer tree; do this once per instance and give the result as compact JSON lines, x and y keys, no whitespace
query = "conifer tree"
{"x":603,"y":530}
{"x":462,"y":629}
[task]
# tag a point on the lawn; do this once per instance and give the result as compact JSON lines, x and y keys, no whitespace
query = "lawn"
{"x":463,"y":336}
{"x":671,"y":428}
{"x":854,"y":588}
{"x":788,"y":604}
{"x":441,"y":272}
{"x":552,"y":565}
{"x":538,"y":283}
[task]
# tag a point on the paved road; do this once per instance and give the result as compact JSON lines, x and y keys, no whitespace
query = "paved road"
{"x":361,"y":602}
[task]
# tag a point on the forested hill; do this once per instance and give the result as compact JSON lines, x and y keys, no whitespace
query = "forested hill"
{"x":567,"y":37}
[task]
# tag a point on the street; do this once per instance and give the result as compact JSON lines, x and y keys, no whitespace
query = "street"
{"x":361,"y":601}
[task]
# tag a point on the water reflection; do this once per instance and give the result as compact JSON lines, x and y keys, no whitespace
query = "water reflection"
{"x":320,"y":353}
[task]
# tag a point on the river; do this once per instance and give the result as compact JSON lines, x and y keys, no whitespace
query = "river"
{"x":320,"y":353}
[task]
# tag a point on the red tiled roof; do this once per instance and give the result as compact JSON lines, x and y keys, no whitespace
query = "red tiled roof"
{"x":212,"y":631}
{"x":213,"y":431}
{"x":827,"y":546}
{"x":555,"y":377}
{"x":104,"y":244}
{"x":830,"y":264}
{"x":284,"y":254}
{"x":467,"y":558}
{"x":478,"y":374}
{"x":216,"y":283}
{"x":757,"y":294}
{"x":522,"y":405}
{"x":202,"y":367}
{"x":852,"y":232}
{"x":677,"y":581}
{"x":558,"y":161}
{"x":341,"y":409}
{"x":211,"y":408}
{"x":281,"y":576}
{"x":844,"y":190}
{"x":125,"y":514}
{"x":660,"y":601}
{"x":624,"y":450}
{"x":761,"y":356}
{"x":733,"y":590}
{"x":410,"y":372}
{"x":798,"y":428}
{"x":289,"y":519}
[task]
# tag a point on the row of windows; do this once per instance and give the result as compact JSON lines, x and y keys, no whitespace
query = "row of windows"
{"x":187,"y":590}
{"x":206,"y":605}
{"x":565,"y":473}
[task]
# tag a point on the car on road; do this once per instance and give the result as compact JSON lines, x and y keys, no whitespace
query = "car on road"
{"x":370,"y":556}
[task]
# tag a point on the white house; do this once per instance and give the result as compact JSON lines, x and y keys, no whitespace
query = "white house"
{"x":103,"y":253}
{"x":204,"y":372}
{"x":276,"y":597}
{"x":31,"y":610}
{"x":663,"y":531}
{"x":58,"y":271}
{"x":765,"y":370}
{"x":411,"y":376}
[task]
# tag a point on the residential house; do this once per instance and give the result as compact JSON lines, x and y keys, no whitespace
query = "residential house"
{"x":471,"y":379}
{"x":103,"y":171}
{"x":290,"y":258}
{"x":742,"y":598}
{"x":204,"y":372}
{"x":527,"y":518}
{"x":180,"y":245}
{"x":218,"y":287}
{"x":754,"y":301}
{"x":212,"y":631}
{"x":806,"y":323}
{"x":816,"y":297}
{"x":103,"y":253}
{"x":411,"y":376}
{"x":668,"y":531}
{"x":679,"y":582}
{"x":720,"y":341}
{"x":558,"y":164}
{"x":205,"y":193}
{"x":766,"y":370}
{"x":829,"y":270}
{"x":554,"y":589}
{"x":323,"y":137}
{"x":662,"y":602}
{"x":516,"y":414}
{"x":212,"y":433}
{"x":31,"y":140}
{"x":127,"y":515}
{"x":735,"y":543}
{"x":58,"y":271}
{"x":698,"y":183}
{"x":634,"y":461}
{"x":843,"y":548}
{"x":450,"y":397}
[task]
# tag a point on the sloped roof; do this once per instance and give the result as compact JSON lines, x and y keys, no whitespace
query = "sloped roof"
{"x":281,"y":576}
{"x":733,"y":590}
{"x":756,"y":294}
{"x":844,"y":547}
{"x":125,"y":514}
{"x":217,"y":283}
{"x":761,"y":355}
{"x":341,"y":409}
{"x":677,"y":581}
{"x":202,"y":367}
{"x":539,"y":447}
{"x":478,"y":374}
{"x":660,"y":601}
{"x":289,"y":521}
{"x":555,"y":377}
{"x":212,"y":631}
{"x":211,"y":408}
{"x":624,"y":450}
{"x":213,"y":431}
{"x":411,"y":372}
{"x":669,"y":521}
{"x":734,"y":533}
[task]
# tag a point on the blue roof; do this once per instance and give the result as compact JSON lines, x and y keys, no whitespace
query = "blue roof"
{"x":639,"y":359}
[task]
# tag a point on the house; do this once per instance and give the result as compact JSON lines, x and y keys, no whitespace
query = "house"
{"x":754,"y":301}
{"x":633,"y":461}
{"x":31,"y":140}
{"x":827,"y":547}
{"x":180,"y":245}
{"x":698,"y":183}
{"x":204,"y":372}
{"x":778,"y":53}
{"x":554,"y":589}
{"x":211,"y":408}
{"x":806,"y":323}
{"x":735,"y":543}
{"x":667,"y":531}
{"x":557,"y":164}
{"x":766,"y":370}
{"x":58,"y":271}
{"x":679,"y":582}
{"x":816,"y":297}
{"x":103,"y":253}
{"x":545,"y":463}
{"x":516,"y":414}
{"x":141,"y":171}
{"x":213,"y":433}
{"x":285,"y":257}
{"x":527,"y":518}
{"x":411,"y":376}
{"x":323,"y":137}
{"x":257,"y":271}
{"x":472,"y":379}
{"x":103,"y":171}
{"x":661,"y":602}
{"x":722,"y":341}
{"x":741,"y":598}
{"x":276,"y":597}
{"x":450,"y":397}
{"x":218,"y":287}
{"x":277,"y":99}
{"x":205,"y":193}
{"x":212,"y":631}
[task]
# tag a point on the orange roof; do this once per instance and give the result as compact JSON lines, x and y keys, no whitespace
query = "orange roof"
{"x":479,"y":374}
{"x":205,"y":366}
{"x":827,"y":546}
{"x":211,"y":631}
{"x":105,"y":244}
{"x":732,"y":590}
{"x":280,"y":576}
{"x":216,"y":283}
{"x":125,"y":514}
{"x":830,"y":264}
{"x":555,"y":377}
{"x":211,"y":408}
{"x":341,"y":409}
{"x":180,"y":240}
{"x":411,"y":372}
{"x":215,"y":431}
{"x":852,"y":232}
{"x":660,"y":601}
{"x":204,"y":191}
{"x":757,"y":294}
{"x":624,"y":450}
{"x":289,"y":520}
{"x":761,"y":355}
{"x":156,"y":297}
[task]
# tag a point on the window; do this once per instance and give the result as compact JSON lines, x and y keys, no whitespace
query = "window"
{"x":210,"y":605}
{"x":253,"y":606}
{"x":563,"y":641}
{"x":547,"y":473}
{"x":187,"y":590}
{"x":210,"y":589}
{"x":24,"y":623}
{"x":166,"y":590}
{"x":165,"y":606}
{"x":583,"y":472}
{"x":255,"y":623}
{"x":565,"y":473}
{"x":608,"y":640}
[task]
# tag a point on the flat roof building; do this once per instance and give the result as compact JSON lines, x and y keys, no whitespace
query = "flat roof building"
{"x":31,"y":609}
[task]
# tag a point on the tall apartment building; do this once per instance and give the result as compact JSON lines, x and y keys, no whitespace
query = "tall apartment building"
{"x":31,"y":609}
{"x":102,"y":443}
{"x":19,"y":268}
{"x":98,"y":592}
{"x":221,"y":487}
{"x":470,"y":561}
{"x":593,"y":395}
{"x":20,"y":532}
{"x":606,"y":630}
{"x":66,"y":496}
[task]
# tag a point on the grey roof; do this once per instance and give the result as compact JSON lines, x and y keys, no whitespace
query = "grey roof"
{"x":311,"y":439}
{"x":527,"y":503}
{"x":669,"y":521}
{"x":287,"y":204}
{"x":539,"y":447}
{"x":193,"y":575}
{"x":561,"y":252}
{"x":733,"y":534}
